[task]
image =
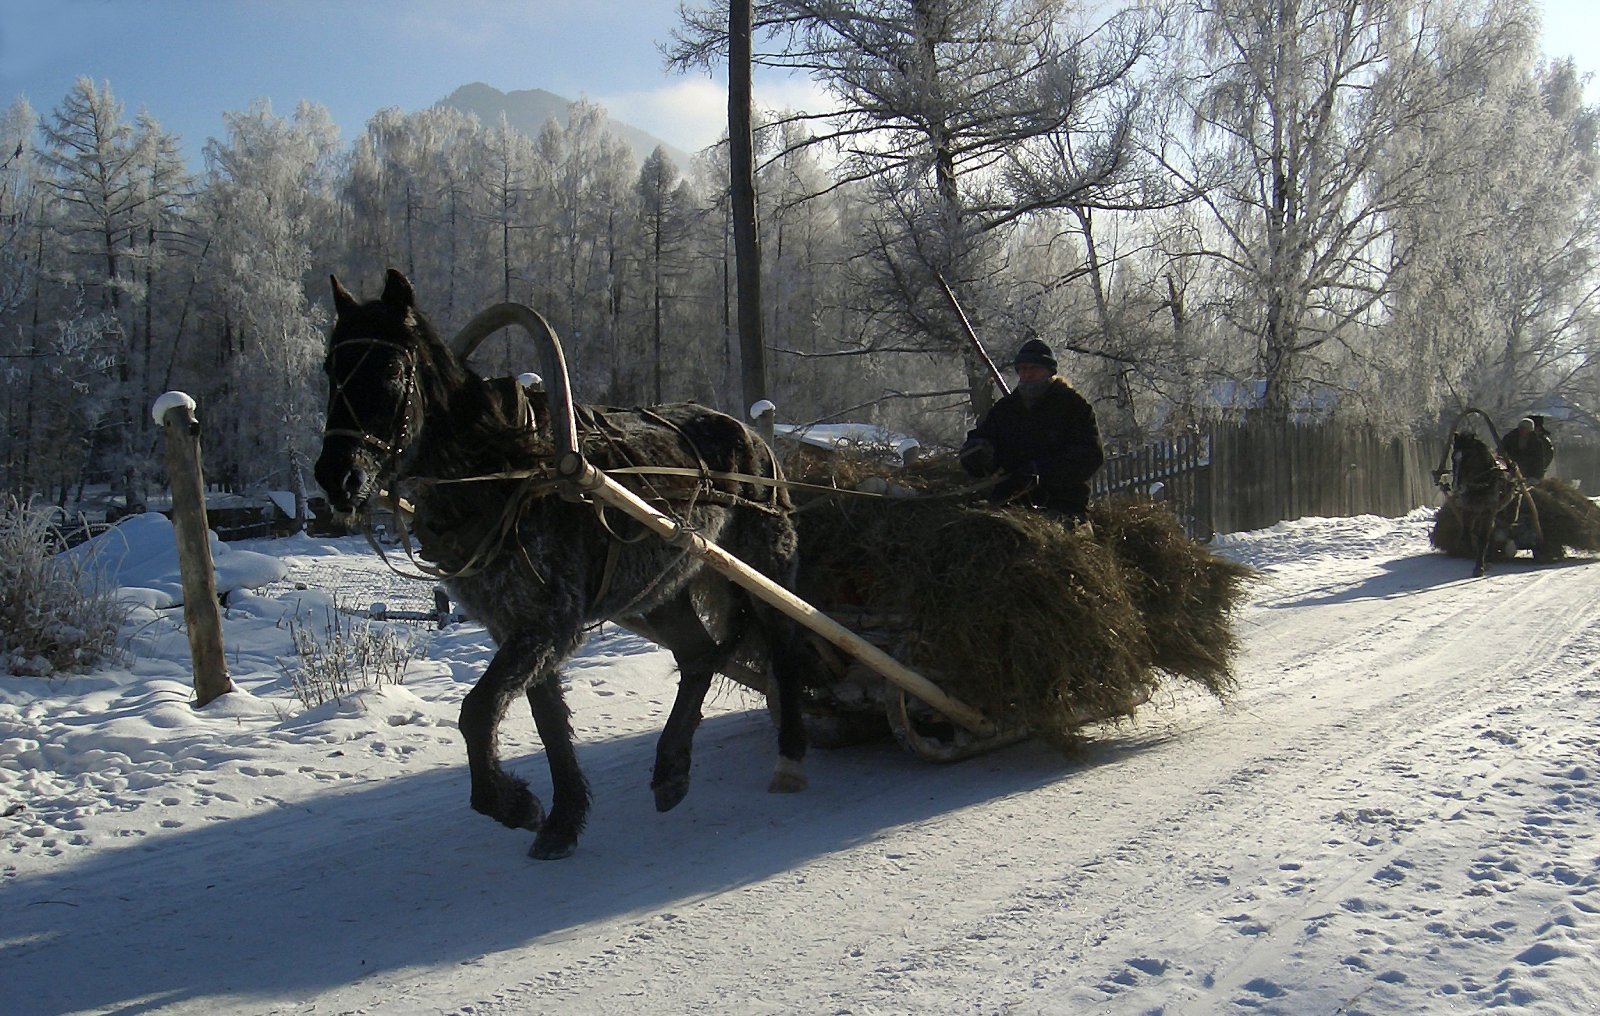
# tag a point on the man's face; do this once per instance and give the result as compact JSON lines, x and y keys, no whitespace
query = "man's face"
{"x":1027,"y":373}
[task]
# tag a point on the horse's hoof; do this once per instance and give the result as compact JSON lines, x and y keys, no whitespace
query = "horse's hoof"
{"x":520,"y":809}
{"x":511,"y":804}
{"x":551,"y":848}
{"x":671,"y":794}
{"x":787,"y":778}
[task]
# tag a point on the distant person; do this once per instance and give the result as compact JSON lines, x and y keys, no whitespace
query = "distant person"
{"x":1530,"y":447}
{"x":1042,"y":438}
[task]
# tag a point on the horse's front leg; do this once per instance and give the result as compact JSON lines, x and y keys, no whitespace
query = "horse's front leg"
{"x":495,"y":792}
{"x":569,"y":798}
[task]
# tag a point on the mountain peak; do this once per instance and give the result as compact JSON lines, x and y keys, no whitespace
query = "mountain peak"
{"x":528,"y":110}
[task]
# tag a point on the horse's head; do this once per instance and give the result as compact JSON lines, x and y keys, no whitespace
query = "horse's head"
{"x":374,"y":400}
{"x":1475,"y":468}
{"x":1469,"y":456}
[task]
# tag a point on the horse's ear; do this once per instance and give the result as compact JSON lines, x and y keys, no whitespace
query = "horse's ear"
{"x":342,"y":300}
{"x":397,"y":291}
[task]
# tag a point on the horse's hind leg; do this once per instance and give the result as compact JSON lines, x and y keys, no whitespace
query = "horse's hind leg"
{"x":787,"y":654}
{"x":676,"y":625}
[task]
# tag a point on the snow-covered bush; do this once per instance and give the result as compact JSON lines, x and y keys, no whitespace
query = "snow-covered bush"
{"x":345,"y":654}
{"x":54,"y":618}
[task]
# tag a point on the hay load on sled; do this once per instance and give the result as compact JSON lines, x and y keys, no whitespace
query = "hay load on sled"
{"x":1567,"y":521}
{"x":1041,"y":627}
{"x":1491,"y":511}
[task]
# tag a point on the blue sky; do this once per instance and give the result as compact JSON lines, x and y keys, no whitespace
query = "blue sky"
{"x":187,"y":61}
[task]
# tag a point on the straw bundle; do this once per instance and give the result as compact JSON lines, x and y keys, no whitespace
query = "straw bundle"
{"x":1025,"y":619}
{"x":1185,"y":592}
{"x":1567,"y":519}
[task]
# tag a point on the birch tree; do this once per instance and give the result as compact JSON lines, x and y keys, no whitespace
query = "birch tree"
{"x":1302,"y":101}
{"x":1497,"y":307}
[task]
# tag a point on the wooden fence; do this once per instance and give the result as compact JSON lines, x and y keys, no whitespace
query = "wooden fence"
{"x":1248,"y":476}
{"x":1176,"y":470}
{"x":1236,"y":477}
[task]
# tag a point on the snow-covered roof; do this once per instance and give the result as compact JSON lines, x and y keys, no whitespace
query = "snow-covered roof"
{"x":283,"y":500}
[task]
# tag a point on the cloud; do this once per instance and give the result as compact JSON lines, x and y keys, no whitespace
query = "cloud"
{"x":692,"y":113}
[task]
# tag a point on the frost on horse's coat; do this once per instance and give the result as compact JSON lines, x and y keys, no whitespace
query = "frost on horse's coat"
{"x":539,"y":570}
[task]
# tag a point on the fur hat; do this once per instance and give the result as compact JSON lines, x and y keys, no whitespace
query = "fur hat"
{"x":1034,"y":351}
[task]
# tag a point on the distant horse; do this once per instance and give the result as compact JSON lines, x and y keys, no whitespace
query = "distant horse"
{"x":1483,"y":489}
{"x":538,"y":568}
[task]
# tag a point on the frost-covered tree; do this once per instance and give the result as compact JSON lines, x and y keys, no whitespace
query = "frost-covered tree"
{"x":1300,"y":102}
{"x":269,"y":205}
{"x":585,"y":201}
{"x":1496,"y":306}
{"x":118,"y":191}
{"x":410,"y":191}
{"x":664,"y":204}
{"x":964,"y":116}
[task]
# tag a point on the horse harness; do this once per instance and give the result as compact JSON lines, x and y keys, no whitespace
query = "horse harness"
{"x":408,"y":414}
{"x":463,"y":547}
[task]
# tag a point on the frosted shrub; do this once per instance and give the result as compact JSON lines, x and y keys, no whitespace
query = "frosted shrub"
{"x":53,"y":617}
{"x":344,"y":654}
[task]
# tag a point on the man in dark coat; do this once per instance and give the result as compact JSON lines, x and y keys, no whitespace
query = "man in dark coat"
{"x":1042,"y":437}
{"x":1530,"y":447}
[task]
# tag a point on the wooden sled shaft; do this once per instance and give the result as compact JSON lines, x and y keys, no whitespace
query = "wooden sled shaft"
{"x":584,"y":477}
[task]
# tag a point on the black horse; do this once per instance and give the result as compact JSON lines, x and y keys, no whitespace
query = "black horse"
{"x":1482,"y":502}
{"x":539,"y":566}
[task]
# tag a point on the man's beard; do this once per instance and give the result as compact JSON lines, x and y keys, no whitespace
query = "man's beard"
{"x":1030,"y":391}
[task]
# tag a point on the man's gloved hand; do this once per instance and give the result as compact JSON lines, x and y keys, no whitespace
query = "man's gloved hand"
{"x":1017,"y":483}
{"x":977,"y":457}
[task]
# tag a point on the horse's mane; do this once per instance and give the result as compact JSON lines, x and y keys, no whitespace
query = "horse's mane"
{"x":480,"y":421}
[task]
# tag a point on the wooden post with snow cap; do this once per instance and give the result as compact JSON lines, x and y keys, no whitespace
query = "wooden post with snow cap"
{"x":174,"y":412}
{"x":763,"y":416}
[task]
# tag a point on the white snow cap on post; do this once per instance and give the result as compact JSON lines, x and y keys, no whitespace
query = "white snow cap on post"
{"x":762,"y":408}
{"x":170,"y":400}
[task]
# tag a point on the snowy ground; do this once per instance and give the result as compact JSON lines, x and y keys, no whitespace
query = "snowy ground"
{"x":1398,"y":813}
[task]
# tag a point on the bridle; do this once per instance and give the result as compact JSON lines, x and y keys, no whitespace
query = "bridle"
{"x":407,"y":416}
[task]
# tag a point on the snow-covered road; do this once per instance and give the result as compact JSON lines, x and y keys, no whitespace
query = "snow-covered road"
{"x":1397,"y":813}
